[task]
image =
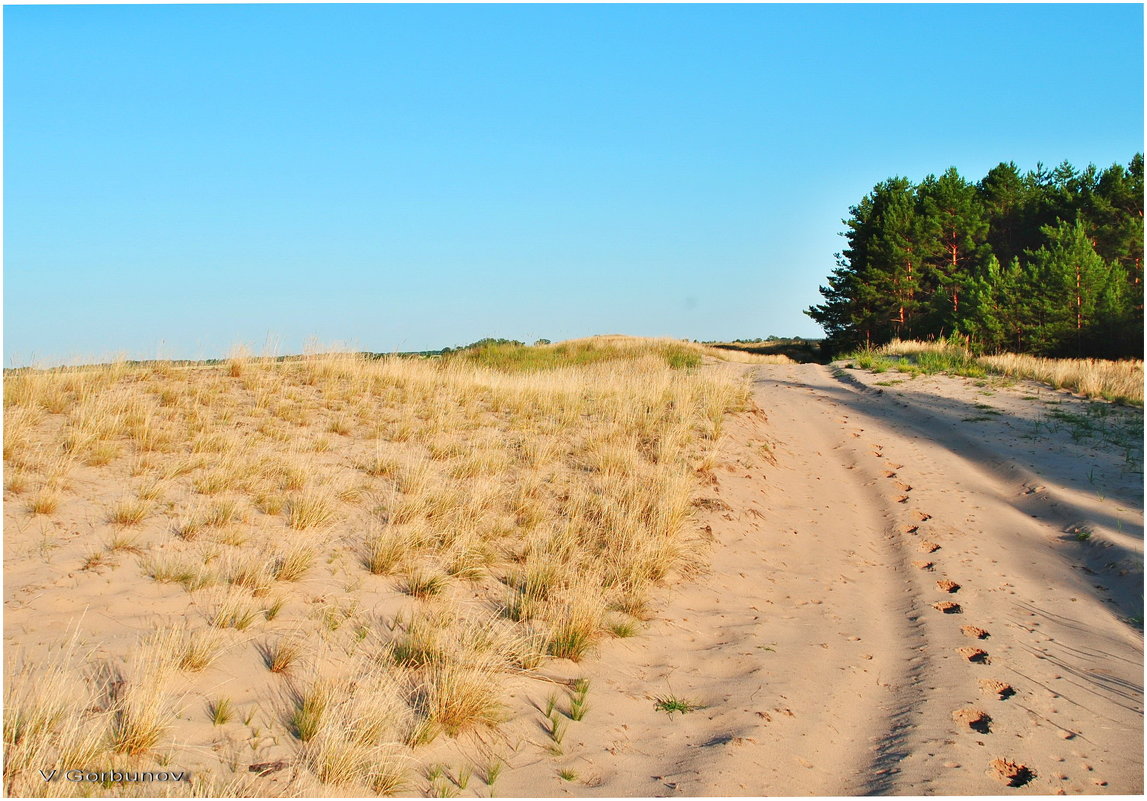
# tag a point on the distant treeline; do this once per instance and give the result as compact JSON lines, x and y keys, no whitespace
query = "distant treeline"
{"x":1044,"y":262}
{"x":798,"y":349}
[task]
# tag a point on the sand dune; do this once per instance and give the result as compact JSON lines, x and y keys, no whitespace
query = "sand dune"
{"x":812,"y":644}
{"x":926,"y":586}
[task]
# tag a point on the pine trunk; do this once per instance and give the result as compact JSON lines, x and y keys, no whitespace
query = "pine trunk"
{"x":1078,"y":300}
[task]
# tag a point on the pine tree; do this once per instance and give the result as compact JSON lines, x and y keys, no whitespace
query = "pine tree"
{"x":985,"y":308}
{"x":1070,"y":279}
{"x":999,"y":303}
{"x":1116,"y":214}
{"x":895,"y":254}
{"x":1049,"y":262}
{"x":955,"y":230}
{"x":1114,"y":332}
{"x":850,"y":314}
{"x":1004,"y":198}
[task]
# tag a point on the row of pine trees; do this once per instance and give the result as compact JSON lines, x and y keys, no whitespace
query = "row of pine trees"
{"x":1045,"y":262}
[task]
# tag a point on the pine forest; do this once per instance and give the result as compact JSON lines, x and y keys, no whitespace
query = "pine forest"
{"x":1048,"y":262}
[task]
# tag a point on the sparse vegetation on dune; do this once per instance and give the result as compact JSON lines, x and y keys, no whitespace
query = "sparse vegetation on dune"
{"x":677,"y":353}
{"x":774,"y":350}
{"x":498,"y":508}
{"x":1119,"y":381}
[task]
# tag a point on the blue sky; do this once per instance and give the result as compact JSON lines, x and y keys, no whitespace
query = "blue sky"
{"x":180,"y":179}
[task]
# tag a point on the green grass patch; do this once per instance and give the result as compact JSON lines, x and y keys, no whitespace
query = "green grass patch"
{"x":926,"y":363}
{"x":671,"y":703}
{"x":512,"y":356}
{"x":952,"y":362}
{"x":867,"y":360}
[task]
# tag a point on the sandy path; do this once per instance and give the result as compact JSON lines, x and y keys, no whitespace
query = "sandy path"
{"x":813,"y":644}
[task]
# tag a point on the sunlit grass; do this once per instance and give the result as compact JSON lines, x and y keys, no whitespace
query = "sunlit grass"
{"x":273,"y":502}
{"x":1120,"y":381}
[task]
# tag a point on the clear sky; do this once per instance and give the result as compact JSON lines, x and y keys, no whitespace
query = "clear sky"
{"x":179,"y":179}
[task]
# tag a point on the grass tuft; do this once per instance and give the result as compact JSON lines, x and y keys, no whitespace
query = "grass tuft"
{"x":281,"y":655}
{"x":220,"y":711}
{"x":671,"y":703}
{"x":197,"y":650}
{"x":424,"y":584}
{"x":44,"y":502}
{"x":128,"y":512}
{"x":293,"y":562}
{"x":233,"y":610}
{"x":312,"y":508}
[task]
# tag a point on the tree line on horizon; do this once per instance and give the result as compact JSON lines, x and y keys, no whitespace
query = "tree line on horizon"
{"x":1048,"y":262}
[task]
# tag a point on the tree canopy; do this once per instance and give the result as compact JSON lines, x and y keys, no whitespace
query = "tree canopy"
{"x":1047,"y":262}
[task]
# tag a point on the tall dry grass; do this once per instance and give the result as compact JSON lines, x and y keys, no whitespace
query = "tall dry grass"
{"x":1120,"y":381}
{"x":512,"y":515}
{"x":630,"y":345}
{"x":1096,"y":378}
{"x":911,"y":347}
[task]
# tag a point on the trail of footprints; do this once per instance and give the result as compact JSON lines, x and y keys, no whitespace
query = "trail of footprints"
{"x":975,"y":719}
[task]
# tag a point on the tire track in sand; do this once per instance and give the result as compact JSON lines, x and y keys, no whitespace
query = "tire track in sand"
{"x":1009,"y":569}
{"x":811,"y":643}
{"x":804,"y":643}
{"x":900,"y":493}
{"x":835,"y":517}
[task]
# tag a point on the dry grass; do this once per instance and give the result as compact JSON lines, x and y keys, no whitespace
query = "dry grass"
{"x":189,"y":570}
{"x":128,"y":512}
{"x":42,"y":729}
{"x":630,"y":345}
{"x":1120,"y":381}
{"x":913,"y":347}
{"x":423,"y":584}
{"x":293,"y":561}
{"x":233,"y":609}
{"x":504,"y":515}
{"x":351,"y":726}
{"x":196,"y":650}
{"x":384,"y":548}
{"x":282,"y":654}
{"x":44,"y":502}
{"x":139,"y":702}
{"x":1096,"y":378}
{"x":249,"y":569}
{"x":312,"y":508}
{"x":458,"y":696}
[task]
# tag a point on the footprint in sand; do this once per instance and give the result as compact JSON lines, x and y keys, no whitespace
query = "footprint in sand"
{"x":929,"y":547}
{"x":947,"y":607}
{"x":975,"y":719}
{"x":890,"y":474}
{"x":1013,"y":774}
{"x":975,"y":632}
{"x":922,"y":565}
{"x":977,"y":655}
{"x":910,"y":529}
{"x":900,"y":485}
{"x":996,"y":687}
{"x":902,"y":499}
{"x":947,"y":585}
{"x":922,"y":516}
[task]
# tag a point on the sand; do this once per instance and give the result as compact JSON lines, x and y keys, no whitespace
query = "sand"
{"x":803,"y":654}
{"x":812,"y":644}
